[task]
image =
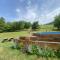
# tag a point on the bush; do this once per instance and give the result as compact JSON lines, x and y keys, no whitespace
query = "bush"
{"x":36,"y":50}
{"x":44,"y":52}
{"x":32,"y":49}
{"x":57,"y":53}
{"x":48,"y":52}
{"x":35,"y":25}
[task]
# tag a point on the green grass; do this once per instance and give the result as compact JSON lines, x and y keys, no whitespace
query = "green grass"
{"x":13,"y":34}
{"x":44,"y":28}
{"x":7,"y":53}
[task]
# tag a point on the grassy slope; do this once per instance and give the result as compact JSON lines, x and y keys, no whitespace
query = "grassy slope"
{"x":46,"y":28}
{"x":13,"y":34}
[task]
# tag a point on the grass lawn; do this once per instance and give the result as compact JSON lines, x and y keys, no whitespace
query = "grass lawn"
{"x":7,"y":53}
{"x":13,"y":34}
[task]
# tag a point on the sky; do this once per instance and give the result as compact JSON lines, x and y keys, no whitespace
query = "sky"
{"x":42,"y":11}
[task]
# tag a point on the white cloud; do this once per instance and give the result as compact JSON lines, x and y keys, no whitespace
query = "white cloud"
{"x":18,"y":13}
{"x":49,"y":17}
{"x":54,"y":13}
{"x":45,"y":14}
{"x":18,"y":10}
{"x":31,"y":14}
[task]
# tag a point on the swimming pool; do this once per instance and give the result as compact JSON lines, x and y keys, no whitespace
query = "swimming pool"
{"x":44,"y":33}
{"x":48,"y":36}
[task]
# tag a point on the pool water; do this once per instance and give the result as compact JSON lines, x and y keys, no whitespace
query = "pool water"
{"x":48,"y":33}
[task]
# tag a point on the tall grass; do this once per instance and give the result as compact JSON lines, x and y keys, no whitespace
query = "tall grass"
{"x":7,"y":53}
{"x":43,"y":52}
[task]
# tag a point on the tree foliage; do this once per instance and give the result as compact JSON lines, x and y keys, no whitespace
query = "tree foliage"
{"x":27,"y":25}
{"x":2,"y":24}
{"x":35,"y":25}
{"x":57,"y":22}
{"x":8,"y":27}
{"x":16,"y":25}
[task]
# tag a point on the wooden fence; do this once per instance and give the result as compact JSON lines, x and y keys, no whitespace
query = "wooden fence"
{"x":51,"y":44}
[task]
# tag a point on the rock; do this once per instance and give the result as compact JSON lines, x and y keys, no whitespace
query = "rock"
{"x":11,"y":39}
{"x":4,"y":40}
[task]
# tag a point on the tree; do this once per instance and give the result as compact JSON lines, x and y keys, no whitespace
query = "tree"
{"x":2,"y":24}
{"x":57,"y":21}
{"x":8,"y":27}
{"x":27,"y":25}
{"x":18,"y":25}
{"x":21,"y":25}
{"x":35,"y":25}
{"x":15,"y":26}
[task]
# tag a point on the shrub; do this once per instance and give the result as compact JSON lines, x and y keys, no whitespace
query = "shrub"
{"x":57,"y":53}
{"x":32,"y":49}
{"x":36,"y":50}
{"x":48,"y":52}
{"x":44,"y":52}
